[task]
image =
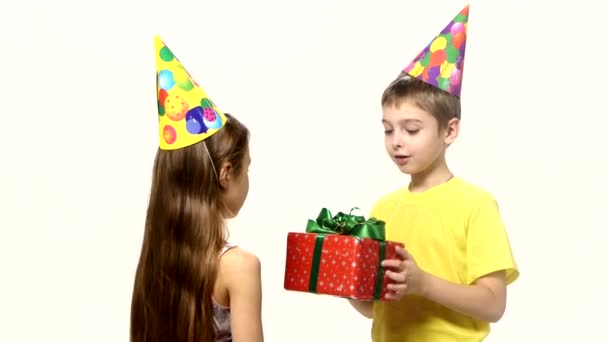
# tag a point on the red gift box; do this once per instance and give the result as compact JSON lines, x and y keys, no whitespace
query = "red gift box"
{"x":337,"y":264}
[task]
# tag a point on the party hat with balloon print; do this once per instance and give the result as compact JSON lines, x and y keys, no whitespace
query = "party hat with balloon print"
{"x":186,"y":114}
{"x":441,"y":62}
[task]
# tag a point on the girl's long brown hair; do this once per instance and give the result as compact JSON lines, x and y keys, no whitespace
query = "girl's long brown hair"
{"x":183,"y":238}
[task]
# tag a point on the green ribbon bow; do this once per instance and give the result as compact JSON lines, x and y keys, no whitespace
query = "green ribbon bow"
{"x":345,"y":224}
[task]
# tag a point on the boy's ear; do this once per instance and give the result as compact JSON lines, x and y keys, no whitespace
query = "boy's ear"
{"x":451,"y":132}
{"x":225,"y":173}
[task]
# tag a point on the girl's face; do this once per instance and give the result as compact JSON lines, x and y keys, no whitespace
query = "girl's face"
{"x":236,"y":188}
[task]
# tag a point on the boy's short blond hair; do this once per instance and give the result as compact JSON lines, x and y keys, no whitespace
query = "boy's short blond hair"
{"x":441,"y":104}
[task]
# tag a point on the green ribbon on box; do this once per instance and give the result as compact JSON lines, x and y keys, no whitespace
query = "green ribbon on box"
{"x":345,"y":224}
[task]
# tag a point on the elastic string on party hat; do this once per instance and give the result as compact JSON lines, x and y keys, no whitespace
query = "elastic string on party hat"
{"x":212,"y":163}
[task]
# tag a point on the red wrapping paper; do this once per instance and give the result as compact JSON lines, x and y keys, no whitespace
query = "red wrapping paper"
{"x":348,"y":266}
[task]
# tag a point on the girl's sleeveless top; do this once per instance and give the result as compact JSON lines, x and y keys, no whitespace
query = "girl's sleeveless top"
{"x":221,"y":314}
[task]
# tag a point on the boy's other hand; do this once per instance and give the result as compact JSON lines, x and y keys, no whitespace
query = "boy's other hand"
{"x":408,"y":278}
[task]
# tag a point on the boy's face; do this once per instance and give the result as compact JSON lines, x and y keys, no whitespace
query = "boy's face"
{"x":413,"y":139}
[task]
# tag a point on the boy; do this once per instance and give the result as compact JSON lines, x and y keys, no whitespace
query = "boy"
{"x":451,"y":280}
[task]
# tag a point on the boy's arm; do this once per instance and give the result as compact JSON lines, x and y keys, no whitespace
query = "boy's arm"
{"x":490,"y":267}
{"x":364,"y":308}
{"x":485,"y":299}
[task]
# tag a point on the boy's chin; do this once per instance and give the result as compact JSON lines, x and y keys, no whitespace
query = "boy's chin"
{"x":405,"y":170}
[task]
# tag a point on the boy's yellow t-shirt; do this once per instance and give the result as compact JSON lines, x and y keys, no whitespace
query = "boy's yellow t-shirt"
{"x":454,"y":231}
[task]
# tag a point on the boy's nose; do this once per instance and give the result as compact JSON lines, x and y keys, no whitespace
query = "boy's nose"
{"x":397,"y":141}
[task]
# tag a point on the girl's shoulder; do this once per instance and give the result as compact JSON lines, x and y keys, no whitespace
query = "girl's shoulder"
{"x":227,"y":246}
{"x":237,"y":258}
{"x":240,"y":272}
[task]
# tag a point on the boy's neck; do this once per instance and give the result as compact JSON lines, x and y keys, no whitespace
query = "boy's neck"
{"x":432,"y":177}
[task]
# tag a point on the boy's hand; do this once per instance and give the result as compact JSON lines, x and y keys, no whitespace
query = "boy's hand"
{"x":408,"y":277}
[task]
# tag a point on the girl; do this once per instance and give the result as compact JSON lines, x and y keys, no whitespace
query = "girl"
{"x":190,"y":284}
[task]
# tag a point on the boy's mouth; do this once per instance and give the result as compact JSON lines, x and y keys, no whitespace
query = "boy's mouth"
{"x":402,"y":158}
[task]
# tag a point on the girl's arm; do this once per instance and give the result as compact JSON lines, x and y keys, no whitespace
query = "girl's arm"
{"x":364,"y":308}
{"x":245,"y":290}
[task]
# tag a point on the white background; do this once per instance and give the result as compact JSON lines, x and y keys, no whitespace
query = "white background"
{"x":79,"y":134}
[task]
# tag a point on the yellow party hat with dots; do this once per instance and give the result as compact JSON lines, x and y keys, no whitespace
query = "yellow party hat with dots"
{"x":186,"y":114}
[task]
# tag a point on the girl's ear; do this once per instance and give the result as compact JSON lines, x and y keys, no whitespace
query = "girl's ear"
{"x":451,"y":132}
{"x":225,"y":174}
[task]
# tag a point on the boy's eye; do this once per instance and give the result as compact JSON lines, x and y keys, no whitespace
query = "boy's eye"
{"x":412,"y":131}
{"x":388,"y":131}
